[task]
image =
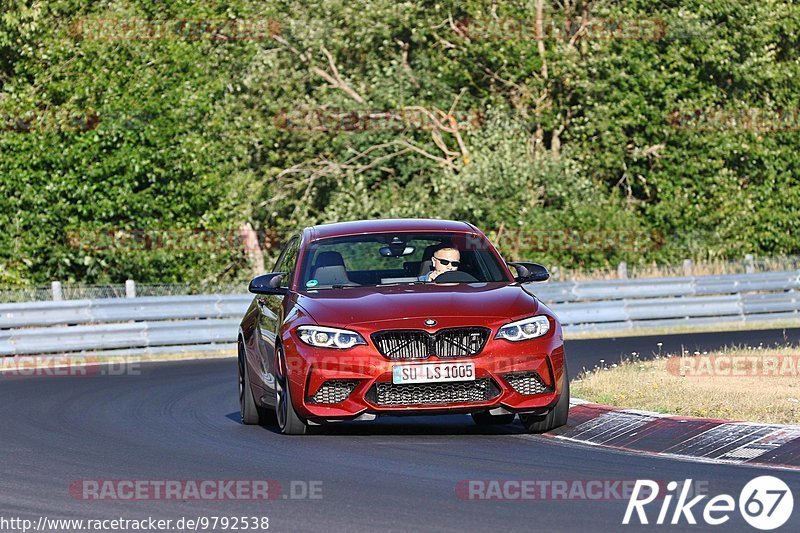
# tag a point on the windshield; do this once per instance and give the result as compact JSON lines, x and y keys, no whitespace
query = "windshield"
{"x":392,"y":258}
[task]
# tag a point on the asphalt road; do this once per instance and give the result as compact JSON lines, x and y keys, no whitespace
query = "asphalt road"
{"x":179,"y":421}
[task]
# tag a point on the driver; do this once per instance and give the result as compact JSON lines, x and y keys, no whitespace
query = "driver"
{"x":442,"y":260}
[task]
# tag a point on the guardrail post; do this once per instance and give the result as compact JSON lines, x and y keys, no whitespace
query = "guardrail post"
{"x":688,"y":267}
{"x":749,"y":264}
{"x":622,"y":270}
{"x":130,"y":289}
{"x":58,"y":293}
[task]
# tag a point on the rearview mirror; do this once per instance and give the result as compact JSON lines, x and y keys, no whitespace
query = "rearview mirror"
{"x":527,"y":272}
{"x":268,"y":284}
{"x":388,"y":251}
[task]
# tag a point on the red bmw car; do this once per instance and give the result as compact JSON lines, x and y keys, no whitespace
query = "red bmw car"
{"x":399,"y":317}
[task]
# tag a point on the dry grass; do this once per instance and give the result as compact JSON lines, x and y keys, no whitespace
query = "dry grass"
{"x":657,"y":385}
{"x":181,"y":356}
{"x":699,"y":268}
{"x":679,"y":328}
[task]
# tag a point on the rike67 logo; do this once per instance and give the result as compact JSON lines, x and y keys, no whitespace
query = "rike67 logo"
{"x":765,"y":503}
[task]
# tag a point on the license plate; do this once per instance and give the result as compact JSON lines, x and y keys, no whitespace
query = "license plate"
{"x":433,"y":373}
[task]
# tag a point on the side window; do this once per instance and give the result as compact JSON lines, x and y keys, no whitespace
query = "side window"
{"x":288,"y":261}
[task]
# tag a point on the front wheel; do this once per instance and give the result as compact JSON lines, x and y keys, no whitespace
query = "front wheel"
{"x":288,"y":419}
{"x":557,"y":416}
{"x":248,"y":410}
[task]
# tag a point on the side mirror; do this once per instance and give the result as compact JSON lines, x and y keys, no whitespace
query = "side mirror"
{"x":268,"y":284}
{"x":530,"y":272}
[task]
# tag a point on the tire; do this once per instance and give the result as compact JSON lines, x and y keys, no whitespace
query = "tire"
{"x":289,"y":421}
{"x":267,"y":416}
{"x":557,"y":416}
{"x":485,"y":419}
{"x":248,"y":411}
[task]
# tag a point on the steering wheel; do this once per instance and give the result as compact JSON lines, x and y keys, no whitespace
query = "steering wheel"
{"x":455,"y":276}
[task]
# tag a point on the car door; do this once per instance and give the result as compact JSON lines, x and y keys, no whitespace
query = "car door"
{"x":271,"y":310}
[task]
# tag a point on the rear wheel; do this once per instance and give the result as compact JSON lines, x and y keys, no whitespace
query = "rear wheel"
{"x":557,"y":416}
{"x":484,"y":418}
{"x":288,"y":419}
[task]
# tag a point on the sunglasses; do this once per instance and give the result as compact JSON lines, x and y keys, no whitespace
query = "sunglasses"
{"x":445,"y":262}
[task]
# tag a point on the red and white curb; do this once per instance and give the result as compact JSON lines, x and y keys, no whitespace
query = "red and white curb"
{"x":701,"y":439}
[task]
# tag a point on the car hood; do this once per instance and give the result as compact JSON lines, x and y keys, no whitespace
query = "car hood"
{"x":362,"y":305}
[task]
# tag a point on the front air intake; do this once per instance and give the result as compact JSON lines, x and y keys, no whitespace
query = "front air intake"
{"x":419,"y":344}
{"x":388,"y":394}
{"x":334,"y":391}
{"x":527,"y":383}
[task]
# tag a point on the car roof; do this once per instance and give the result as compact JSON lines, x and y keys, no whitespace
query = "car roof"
{"x":355,"y":227}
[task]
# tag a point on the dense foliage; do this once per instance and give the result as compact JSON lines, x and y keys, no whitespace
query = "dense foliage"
{"x":640,"y":130}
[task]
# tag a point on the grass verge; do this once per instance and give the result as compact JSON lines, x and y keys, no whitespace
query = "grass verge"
{"x":678,"y":329}
{"x":747,"y":384}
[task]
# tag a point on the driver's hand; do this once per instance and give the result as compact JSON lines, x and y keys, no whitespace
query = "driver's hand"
{"x":433,"y":275}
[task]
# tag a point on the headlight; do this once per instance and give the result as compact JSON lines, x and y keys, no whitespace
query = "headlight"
{"x":522,"y":330}
{"x":322,"y":337}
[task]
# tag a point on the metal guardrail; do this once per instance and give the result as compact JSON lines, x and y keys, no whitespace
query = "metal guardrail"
{"x":84,"y":325}
{"x":130,"y":289}
{"x":665,"y":311}
{"x":204,"y":321}
{"x":151,"y":308}
{"x":655,"y":287}
{"x":669,"y":302}
{"x":108,"y":336}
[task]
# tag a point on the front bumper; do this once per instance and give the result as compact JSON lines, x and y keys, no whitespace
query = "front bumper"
{"x":510,"y":377}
